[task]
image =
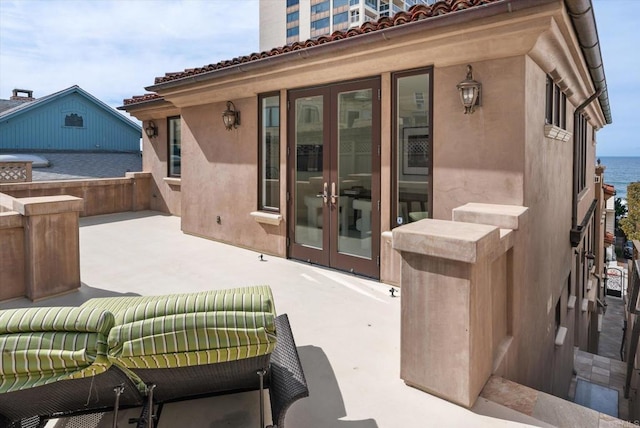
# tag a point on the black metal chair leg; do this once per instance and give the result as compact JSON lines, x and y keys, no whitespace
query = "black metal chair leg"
{"x":150,"y":398}
{"x":261,"y":374}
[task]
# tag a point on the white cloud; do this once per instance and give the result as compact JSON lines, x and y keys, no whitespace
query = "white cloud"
{"x":114,"y":48}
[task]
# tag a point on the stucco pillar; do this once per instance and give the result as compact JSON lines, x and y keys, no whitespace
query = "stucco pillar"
{"x":51,"y":244}
{"x":446,"y":306}
{"x":11,"y":256}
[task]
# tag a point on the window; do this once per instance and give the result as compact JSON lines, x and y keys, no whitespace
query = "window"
{"x":556,"y":105}
{"x":355,"y":16}
{"x":340,"y":3}
{"x":320,"y":7}
{"x":354,"y":2}
{"x":580,"y":130}
{"x":293,"y":16}
{"x":292,"y":32}
{"x":558,"y":315}
{"x":372,"y":4}
{"x":174,"y":146}
{"x":340,"y":18}
{"x":292,"y":2}
{"x":269,"y":153}
{"x":320,"y":24}
{"x":74,"y":120}
{"x":412,"y":188}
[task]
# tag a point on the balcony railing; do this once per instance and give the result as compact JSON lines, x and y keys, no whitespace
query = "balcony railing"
{"x":15,"y":172}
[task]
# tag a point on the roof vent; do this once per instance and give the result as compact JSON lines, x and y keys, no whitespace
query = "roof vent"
{"x":22,"y":95}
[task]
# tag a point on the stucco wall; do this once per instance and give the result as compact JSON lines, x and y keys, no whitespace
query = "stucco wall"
{"x":549,"y":263}
{"x":221,"y":180}
{"x":478,"y":157}
{"x":165,"y":194}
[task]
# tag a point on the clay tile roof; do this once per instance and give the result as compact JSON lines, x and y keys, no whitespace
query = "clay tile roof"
{"x":609,"y":238}
{"x":415,"y":13}
{"x":136,"y":99}
{"x":609,"y":189}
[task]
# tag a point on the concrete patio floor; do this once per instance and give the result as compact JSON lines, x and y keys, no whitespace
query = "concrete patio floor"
{"x":347,"y":329}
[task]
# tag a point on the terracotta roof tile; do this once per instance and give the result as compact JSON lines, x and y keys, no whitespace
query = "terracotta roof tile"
{"x":141,"y":99}
{"x":609,"y":238}
{"x":415,"y":13}
{"x":609,"y":189}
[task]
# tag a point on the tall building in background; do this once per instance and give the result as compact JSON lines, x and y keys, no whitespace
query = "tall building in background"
{"x":286,"y":21}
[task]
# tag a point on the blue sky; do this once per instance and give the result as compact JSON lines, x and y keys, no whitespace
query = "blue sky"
{"x":114,"y":48}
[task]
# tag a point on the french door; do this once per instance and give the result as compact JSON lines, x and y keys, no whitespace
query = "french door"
{"x":334,"y":176}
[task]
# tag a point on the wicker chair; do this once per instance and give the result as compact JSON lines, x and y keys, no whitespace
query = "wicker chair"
{"x":171,"y":348}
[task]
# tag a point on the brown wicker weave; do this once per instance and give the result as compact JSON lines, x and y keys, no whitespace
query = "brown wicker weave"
{"x":287,"y":383}
{"x":183,"y":383}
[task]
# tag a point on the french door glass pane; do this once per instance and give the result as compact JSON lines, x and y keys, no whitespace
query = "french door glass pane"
{"x":353,"y":184}
{"x":174,"y":146}
{"x":270,"y":153}
{"x":413,"y":148}
{"x":309,"y":185}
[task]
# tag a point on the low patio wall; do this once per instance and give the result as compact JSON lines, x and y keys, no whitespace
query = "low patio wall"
{"x":101,"y":195}
{"x":457,"y":282}
{"x":39,"y":229}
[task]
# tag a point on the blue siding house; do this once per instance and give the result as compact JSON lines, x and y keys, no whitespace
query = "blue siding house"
{"x":69,"y":120}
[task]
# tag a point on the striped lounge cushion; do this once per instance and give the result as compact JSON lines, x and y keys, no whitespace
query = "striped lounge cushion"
{"x":190,"y":329}
{"x":44,"y":345}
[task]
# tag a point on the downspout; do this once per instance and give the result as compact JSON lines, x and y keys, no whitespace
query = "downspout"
{"x":574,"y":198}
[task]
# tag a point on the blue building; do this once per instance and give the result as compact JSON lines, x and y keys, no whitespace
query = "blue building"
{"x":69,"y":120}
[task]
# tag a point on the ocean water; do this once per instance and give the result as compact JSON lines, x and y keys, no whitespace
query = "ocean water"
{"x":620,"y":171}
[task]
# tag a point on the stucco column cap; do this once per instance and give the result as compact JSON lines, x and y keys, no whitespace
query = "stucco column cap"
{"x":502,"y":216}
{"x":465,"y":242}
{"x":48,"y":205}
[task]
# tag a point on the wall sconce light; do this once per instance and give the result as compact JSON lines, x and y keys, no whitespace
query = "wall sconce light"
{"x":231,"y":117}
{"x":151,"y":130}
{"x":470,"y":92}
{"x":590,"y":259}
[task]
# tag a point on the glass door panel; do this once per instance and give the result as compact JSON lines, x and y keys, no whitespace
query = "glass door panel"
{"x":310,"y":186}
{"x":354,"y":172}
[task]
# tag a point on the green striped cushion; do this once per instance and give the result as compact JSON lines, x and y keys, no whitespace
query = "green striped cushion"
{"x":133,"y":308}
{"x":44,"y":345}
{"x":27,"y":320}
{"x":192,"y":332}
{"x":195,"y":328}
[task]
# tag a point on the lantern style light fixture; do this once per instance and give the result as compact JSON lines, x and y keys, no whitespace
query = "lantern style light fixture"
{"x":590,"y":259}
{"x":470,"y":92}
{"x":231,"y":117}
{"x":151,"y":130}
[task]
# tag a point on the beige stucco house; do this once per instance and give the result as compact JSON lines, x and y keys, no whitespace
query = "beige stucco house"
{"x":341,"y":140}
